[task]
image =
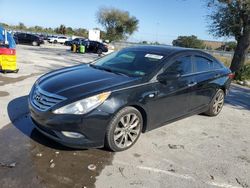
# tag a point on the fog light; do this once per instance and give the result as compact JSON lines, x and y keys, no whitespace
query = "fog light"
{"x":72,"y":134}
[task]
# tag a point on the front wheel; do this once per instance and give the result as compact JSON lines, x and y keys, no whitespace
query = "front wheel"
{"x":99,"y":51}
{"x":216,"y":104}
{"x":124,"y":129}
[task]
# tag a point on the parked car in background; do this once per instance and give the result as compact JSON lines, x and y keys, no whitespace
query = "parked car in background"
{"x":110,"y":101}
{"x":49,"y":36}
{"x":74,"y":41}
{"x":59,"y":39}
{"x":94,"y":46}
{"x":27,"y":38}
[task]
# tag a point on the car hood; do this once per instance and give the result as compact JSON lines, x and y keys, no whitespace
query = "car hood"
{"x":83,"y":80}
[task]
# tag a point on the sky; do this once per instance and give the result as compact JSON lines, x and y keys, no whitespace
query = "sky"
{"x":159,"y":20}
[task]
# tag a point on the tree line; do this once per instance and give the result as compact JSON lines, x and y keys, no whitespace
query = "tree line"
{"x":193,"y":42}
{"x":62,"y":29}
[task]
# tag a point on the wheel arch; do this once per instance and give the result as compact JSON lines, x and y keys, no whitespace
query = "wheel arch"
{"x":144,"y":116}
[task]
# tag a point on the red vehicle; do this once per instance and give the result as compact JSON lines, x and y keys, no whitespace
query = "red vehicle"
{"x":7,"y":52}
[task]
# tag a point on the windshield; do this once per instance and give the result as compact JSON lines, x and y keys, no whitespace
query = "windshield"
{"x":132,"y":63}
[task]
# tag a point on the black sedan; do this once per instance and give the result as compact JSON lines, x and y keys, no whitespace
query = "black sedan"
{"x":26,"y":38}
{"x":74,"y":41}
{"x":109,"y":102}
{"x":92,"y":46}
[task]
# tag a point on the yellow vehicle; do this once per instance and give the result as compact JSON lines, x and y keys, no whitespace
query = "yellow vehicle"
{"x":7,"y":52}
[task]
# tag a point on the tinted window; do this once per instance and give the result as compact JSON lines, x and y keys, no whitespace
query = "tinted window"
{"x":21,"y":35}
{"x":181,"y":65}
{"x":202,"y":64}
{"x":33,"y":37}
{"x":217,"y":65}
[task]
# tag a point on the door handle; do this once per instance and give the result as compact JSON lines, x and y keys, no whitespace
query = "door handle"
{"x":217,"y":76}
{"x":152,"y":94}
{"x":192,"y":84}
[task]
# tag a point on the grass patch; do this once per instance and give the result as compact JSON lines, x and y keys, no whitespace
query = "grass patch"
{"x":227,"y":60}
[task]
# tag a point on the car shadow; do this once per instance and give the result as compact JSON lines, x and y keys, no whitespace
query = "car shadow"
{"x":238,"y":97}
{"x":41,"y":162}
{"x":19,"y":116}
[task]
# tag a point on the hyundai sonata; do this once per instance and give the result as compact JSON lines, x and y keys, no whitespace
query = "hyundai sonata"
{"x":110,"y":101}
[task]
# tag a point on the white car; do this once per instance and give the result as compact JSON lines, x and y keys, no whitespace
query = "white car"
{"x":60,"y":40}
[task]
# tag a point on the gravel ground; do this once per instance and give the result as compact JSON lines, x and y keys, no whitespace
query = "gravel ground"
{"x":198,"y":151}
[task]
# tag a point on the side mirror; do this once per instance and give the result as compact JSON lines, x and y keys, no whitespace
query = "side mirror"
{"x":169,"y":76}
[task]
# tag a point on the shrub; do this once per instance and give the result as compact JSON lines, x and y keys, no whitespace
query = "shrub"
{"x":244,"y":73}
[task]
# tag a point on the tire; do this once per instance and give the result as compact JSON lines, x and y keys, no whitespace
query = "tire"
{"x":99,"y":51}
{"x":55,"y":41}
{"x":216,"y":104}
{"x":124,"y":129}
{"x":34,"y":43}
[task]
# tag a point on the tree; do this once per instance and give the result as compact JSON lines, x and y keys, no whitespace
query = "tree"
{"x":231,"y":18}
{"x":21,"y":26}
{"x":117,"y":23}
{"x":69,"y":31}
{"x":188,"y":42}
{"x":81,"y":32}
{"x":61,"y":30}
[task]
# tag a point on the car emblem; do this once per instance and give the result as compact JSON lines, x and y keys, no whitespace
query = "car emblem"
{"x":38,"y":98}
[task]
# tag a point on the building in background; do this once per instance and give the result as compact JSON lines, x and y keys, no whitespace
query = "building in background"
{"x":213,"y":45}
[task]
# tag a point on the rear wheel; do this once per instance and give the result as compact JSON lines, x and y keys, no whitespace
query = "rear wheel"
{"x":216,"y":104}
{"x":34,"y":43}
{"x":99,"y":51}
{"x":124,"y":129}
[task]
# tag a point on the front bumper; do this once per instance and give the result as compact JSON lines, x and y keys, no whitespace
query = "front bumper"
{"x":92,"y":126}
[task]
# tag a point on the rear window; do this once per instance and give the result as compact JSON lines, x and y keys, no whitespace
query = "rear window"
{"x":217,"y":65}
{"x":202,"y":64}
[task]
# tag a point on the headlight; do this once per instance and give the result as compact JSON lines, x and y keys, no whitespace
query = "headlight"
{"x":83,"y":106}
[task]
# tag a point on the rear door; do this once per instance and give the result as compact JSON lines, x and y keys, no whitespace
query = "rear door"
{"x":29,"y":38}
{"x":21,"y":38}
{"x":204,"y":87}
{"x":172,"y":98}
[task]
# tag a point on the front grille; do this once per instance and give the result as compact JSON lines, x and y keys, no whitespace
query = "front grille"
{"x":43,"y":100}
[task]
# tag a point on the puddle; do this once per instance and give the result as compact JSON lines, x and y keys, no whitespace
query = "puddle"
{"x":4,"y":93}
{"x":34,"y":154}
{"x":9,"y":80}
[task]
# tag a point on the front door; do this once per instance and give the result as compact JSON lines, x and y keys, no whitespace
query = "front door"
{"x":172,"y":98}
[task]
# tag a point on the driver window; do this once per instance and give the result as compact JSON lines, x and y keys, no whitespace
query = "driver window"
{"x":182,"y":65}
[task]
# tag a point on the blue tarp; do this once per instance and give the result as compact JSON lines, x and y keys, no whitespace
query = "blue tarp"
{"x":11,"y":41}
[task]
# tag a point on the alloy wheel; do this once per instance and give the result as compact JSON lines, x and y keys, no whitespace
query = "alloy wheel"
{"x":218,"y":102}
{"x":127,"y":130}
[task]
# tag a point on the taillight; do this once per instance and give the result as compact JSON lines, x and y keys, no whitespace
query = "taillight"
{"x":231,"y":75}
